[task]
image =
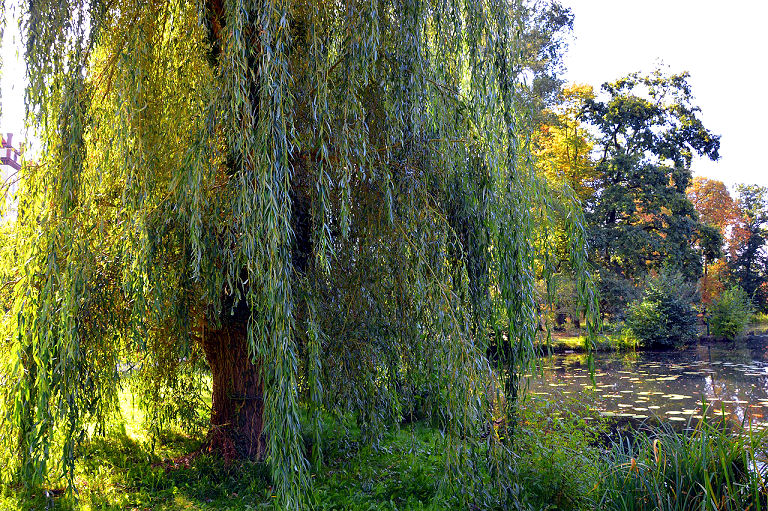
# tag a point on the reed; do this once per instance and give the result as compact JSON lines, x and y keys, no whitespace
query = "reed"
{"x":709,"y":466}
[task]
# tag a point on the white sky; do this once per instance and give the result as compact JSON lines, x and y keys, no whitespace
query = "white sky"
{"x":12,"y":81}
{"x":723,"y":46}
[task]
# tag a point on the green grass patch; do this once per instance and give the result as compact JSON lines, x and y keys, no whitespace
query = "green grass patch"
{"x":560,"y":461}
{"x":618,"y":341}
{"x":120,"y":472}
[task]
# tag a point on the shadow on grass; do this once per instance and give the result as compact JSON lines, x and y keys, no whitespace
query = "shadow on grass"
{"x":117,"y":472}
{"x":120,"y":473}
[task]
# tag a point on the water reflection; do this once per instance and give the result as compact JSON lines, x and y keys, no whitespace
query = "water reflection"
{"x":732,"y":377}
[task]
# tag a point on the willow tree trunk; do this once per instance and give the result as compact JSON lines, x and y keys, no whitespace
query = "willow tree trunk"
{"x":237,"y":411}
{"x":237,"y":414}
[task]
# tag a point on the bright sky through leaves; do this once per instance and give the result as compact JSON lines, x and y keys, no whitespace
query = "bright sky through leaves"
{"x":12,"y":80}
{"x":721,"y":44}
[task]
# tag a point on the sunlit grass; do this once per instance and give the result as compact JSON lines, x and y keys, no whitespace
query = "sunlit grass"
{"x":127,"y":469}
{"x":618,"y":341}
{"x":559,"y":444}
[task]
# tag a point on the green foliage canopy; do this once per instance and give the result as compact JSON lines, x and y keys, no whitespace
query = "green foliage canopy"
{"x":647,"y":131}
{"x":731,"y":313}
{"x":750,"y":262}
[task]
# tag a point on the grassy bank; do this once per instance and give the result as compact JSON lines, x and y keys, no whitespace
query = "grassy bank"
{"x":563,"y":460}
{"x":120,"y":472}
{"x":574,"y":341}
{"x":406,"y":471}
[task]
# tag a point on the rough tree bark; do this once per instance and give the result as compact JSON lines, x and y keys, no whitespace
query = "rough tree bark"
{"x":237,"y":410}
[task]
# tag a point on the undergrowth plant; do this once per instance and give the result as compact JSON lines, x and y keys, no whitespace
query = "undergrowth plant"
{"x":731,"y":313}
{"x":664,"y":317}
{"x":557,"y":450}
{"x":708,"y":467}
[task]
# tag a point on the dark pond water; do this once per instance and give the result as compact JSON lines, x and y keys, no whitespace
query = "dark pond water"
{"x":732,"y":377}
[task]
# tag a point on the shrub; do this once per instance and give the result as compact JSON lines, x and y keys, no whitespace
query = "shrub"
{"x":557,"y":445}
{"x":731,"y":313}
{"x":664,"y":317}
{"x":616,"y":292}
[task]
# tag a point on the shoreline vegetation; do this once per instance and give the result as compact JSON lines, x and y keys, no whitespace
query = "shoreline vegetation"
{"x":584,"y":462}
{"x":562,"y":343}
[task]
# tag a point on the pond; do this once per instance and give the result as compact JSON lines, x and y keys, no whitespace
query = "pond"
{"x":670,"y":385}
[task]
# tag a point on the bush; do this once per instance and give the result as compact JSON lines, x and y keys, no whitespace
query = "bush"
{"x":664,"y":317}
{"x":556,"y":444}
{"x":616,"y":293}
{"x":731,"y":313}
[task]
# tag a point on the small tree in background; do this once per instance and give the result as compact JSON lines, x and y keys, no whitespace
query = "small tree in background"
{"x":664,"y":317}
{"x":731,"y":313}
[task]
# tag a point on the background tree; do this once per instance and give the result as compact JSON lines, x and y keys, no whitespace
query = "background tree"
{"x":545,"y":27}
{"x":562,"y":151}
{"x":714,"y":203}
{"x":750,"y":264}
{"x":321,"y":207}
{"x":718,"y":210}
{"x":563,"y":146}
{"x":646,"y":132}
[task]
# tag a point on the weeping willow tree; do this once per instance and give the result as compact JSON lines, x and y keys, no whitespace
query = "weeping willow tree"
{"x":307,"y":208}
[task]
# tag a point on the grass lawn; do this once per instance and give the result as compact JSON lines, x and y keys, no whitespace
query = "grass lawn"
{"x":121,"y":472}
